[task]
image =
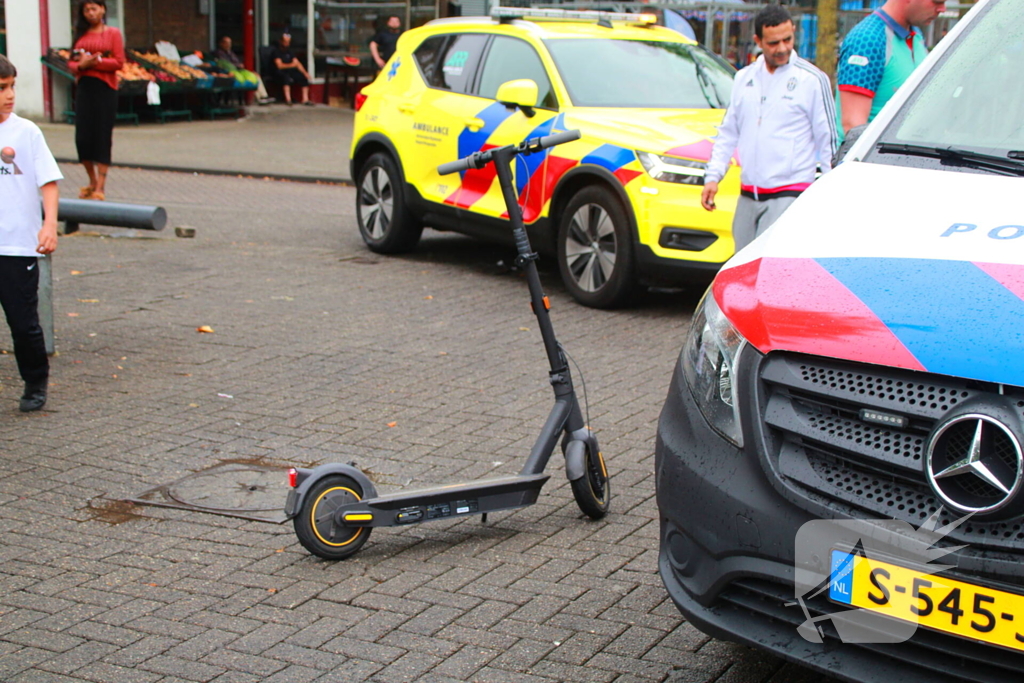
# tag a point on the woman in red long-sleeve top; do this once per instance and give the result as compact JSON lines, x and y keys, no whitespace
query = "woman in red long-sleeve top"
{"x":99,"y":54}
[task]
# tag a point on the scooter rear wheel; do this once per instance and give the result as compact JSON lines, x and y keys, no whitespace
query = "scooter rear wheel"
{"x":593,"y":491}
{"x":315,"y":525}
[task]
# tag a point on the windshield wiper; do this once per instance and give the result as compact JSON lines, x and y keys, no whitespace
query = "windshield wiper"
{"x":705,"y":81}
{"x":955,"y":156}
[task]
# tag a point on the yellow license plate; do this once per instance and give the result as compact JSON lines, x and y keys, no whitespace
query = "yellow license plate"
{"x":935,"y":602}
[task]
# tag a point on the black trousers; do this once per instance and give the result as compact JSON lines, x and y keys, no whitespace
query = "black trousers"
{"x":95,"y":112}
{"x":288,"y":77}
{"x":19,"y":296}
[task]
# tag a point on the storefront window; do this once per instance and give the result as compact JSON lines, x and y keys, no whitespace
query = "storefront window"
{"x":288,"y":16}
{"x":344,"y":28}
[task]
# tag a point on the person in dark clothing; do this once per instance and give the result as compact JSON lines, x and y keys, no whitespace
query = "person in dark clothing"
{"x":98,"y":55}
{"x":382,"y":45}
{"x":290,"y":70}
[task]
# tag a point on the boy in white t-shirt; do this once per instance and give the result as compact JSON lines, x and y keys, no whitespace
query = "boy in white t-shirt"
{"x":27,"y":168}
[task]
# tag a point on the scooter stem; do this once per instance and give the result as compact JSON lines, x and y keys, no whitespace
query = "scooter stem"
{"x":502,"y":159}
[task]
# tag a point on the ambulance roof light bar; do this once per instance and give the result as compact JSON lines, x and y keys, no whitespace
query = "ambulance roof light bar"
{"x":605,"y":18}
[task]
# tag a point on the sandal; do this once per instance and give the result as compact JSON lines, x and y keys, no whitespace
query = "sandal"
{"x":85,"y":192}
{"x":97,"y":195}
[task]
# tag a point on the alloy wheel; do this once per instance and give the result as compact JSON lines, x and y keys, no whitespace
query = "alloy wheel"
{"x":590,"y":247}
{"x":376,"y":202}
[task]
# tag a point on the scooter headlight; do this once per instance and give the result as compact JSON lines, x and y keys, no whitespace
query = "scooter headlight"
{"x":672,"y":169}
{"x":709,"y":362}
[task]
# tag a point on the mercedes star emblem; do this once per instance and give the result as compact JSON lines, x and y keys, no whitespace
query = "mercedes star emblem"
{"x":975,"y":463}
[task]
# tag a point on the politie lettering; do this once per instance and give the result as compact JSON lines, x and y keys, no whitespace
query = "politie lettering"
{"x":1003,"y":232}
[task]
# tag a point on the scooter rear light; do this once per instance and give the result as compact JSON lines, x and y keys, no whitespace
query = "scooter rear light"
{"x":293,"y":477}
{"x":360,"y":100}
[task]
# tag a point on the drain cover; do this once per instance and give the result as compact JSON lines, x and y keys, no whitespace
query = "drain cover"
{"x":255,"y":492}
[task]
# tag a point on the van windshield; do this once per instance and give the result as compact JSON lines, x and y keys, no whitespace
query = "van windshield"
{"x":602,"y":72}
{"x":973,"y":99}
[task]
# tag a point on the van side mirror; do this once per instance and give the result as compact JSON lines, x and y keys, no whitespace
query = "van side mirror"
{"x":521,"y":93}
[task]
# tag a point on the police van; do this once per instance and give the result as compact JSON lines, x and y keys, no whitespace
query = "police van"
{"x":864,"y":360}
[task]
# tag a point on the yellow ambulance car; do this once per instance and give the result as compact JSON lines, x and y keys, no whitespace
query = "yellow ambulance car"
{"x":618,"y":208}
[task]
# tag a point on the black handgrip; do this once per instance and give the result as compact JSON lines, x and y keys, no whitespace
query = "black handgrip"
{"x":559,"y":138}
{"x":455,"y":166}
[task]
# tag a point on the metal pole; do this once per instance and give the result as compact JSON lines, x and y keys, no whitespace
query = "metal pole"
{"x":46,"y":302}
{"x":726,"y":18}
{"x":44,"y":45}
{"x":828,"y":28}
{"x":709,"y":27}
{"x":310,"y":37}
{"x":249,"y":34}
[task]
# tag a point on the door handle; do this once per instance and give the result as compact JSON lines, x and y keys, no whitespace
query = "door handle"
{"x":474,"y":124}
{"x":406,"y":107}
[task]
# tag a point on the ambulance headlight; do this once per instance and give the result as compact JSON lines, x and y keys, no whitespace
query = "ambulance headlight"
{"x":672,"y":169}
{"x":709,"y":362}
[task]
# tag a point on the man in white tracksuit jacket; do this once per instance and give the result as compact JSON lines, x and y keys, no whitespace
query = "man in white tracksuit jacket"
{"x":781,"y":122}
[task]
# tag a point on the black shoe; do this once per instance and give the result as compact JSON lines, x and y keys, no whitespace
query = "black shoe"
{"x":34,"y":398}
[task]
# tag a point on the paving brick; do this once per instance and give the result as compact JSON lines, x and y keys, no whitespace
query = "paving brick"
{"x":360,"y":649}
{"x":101,"y":672}
{"x":142,"y":650}
{"x":412,"y":666}
{"x":431,"y":620}
{"x":239,"y":661}
{"x":46,"y":640}
{"x":306,"y":656}
{"x":165,"y":596}
{"x":203,"y":644}
{"x":182,"y":668}
{"x":466,"y":662}
{"x":352,"y":671}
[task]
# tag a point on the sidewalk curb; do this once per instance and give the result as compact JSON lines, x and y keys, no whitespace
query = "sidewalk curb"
{"x":223,"y":172}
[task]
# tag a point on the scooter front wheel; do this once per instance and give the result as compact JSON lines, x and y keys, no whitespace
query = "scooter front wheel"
{"x":316,"y":527}
{"x":593,"y":491}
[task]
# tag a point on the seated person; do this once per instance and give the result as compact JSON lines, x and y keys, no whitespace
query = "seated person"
{"x":290,"y":70}
{"x":227,"y":60}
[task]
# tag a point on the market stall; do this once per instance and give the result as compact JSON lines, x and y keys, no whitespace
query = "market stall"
{"x":161,"y":87}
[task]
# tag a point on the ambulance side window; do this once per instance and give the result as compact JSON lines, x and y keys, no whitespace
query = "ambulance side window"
{"x":427,"y":55}
{"x":510,"y":59}
{"x":458,"y":62}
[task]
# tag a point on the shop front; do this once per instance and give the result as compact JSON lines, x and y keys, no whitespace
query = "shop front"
{"x":331,"y":37}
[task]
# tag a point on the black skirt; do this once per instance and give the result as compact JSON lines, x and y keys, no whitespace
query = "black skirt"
{"x":95,"y":111}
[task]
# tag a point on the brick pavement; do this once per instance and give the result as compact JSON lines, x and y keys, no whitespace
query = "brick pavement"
{"x":320,"y":345}
{"x":302,"y":142}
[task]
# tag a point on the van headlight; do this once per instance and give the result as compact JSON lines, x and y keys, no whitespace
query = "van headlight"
{"x":709,"y":366}
{"x":672,"y":169}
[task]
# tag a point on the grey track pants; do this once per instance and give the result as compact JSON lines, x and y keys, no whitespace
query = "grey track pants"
{"x":754,"y":217}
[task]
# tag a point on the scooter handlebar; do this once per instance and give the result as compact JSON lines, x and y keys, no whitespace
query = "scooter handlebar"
{"x":559,"y":138}
{"x":456,"y":166}
{"x":478,"y":159}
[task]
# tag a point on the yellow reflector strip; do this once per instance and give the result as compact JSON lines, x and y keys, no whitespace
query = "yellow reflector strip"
{"x":358,"y":517}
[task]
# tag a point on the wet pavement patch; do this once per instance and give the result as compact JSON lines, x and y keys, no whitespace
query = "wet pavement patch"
{"x":112,"y":512}
{"x":233,"y":489}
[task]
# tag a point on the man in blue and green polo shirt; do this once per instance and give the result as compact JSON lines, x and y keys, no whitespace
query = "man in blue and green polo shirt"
{"x":878,"y":55}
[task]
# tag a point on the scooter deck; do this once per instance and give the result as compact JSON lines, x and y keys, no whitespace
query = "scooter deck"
{"x":441,"y":502}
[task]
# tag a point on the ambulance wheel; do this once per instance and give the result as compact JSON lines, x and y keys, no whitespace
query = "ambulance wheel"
{"x":385,"y":222}
{"x":595,"y":249}
{"x":593,"y":491}
{"x":315,"y":526}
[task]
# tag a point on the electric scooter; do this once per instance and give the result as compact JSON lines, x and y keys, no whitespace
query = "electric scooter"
{"x":334,"y":507}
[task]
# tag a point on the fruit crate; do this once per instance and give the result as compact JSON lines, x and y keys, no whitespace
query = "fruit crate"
{"x":181,"y":75}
